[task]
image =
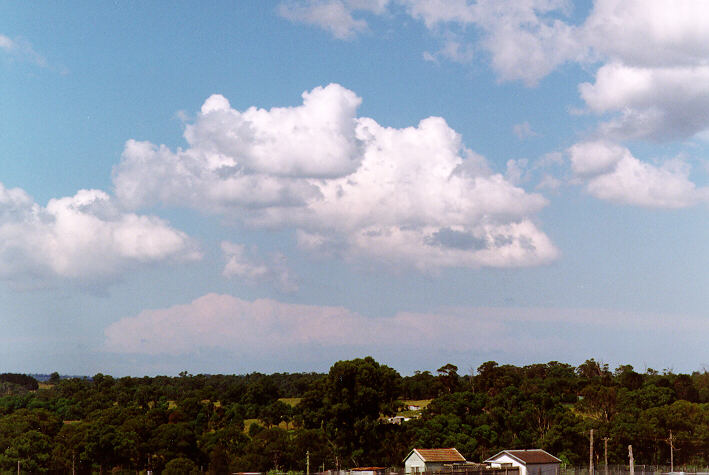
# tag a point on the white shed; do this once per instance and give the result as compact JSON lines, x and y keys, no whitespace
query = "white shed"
{"x":431,"y":460}
{"x":529,"y":461}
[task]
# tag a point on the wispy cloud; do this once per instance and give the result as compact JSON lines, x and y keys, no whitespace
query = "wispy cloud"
{"x":241,"y":263}
{"x":334,"y":16}
{"x":22,"y":50}
{"x":524,"y":130}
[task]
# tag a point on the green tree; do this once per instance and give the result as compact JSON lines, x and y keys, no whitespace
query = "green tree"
{"x":180,"y":466}
{"x":348,"y":404}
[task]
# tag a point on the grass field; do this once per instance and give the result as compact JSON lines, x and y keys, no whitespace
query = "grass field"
{"x":249,"y":422}
{"x":422,"y":403}
{"x":291,"y":401}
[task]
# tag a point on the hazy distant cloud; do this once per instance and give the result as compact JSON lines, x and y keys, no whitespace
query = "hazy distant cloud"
{"x":81,"y":238}
{"x":243,"y":264}
{"x":229,"y":323}
{"x":334,"y":16}
{"x":267,"y":330}
{"x":348,"y":185}
{"x":612,"y":173}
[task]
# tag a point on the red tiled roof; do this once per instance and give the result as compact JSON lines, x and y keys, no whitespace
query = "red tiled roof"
{"x":440,"y":455}
{"x":531,"y":456}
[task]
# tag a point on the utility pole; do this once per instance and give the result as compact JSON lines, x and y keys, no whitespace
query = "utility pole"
{"x":590,"y":453}
{"x":605,"y":455}
{"x":307,"y":462}
{"x":632,"y":462}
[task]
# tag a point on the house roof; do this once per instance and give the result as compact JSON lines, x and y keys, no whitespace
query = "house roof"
{"x":527,"y":456}
{"x":438,"y":455}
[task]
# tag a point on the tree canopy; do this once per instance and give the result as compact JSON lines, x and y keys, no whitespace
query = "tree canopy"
{"x":258,"y":422}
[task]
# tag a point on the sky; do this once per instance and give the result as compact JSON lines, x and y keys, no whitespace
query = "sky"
{"x":266,"y":185}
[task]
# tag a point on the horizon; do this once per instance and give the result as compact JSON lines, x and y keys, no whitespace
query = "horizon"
{"x":463,"y":372}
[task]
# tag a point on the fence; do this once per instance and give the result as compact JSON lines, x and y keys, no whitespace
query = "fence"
{"x":448,"y":470}
{"x":639,"y":470}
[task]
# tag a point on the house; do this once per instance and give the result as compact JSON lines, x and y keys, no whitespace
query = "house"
{"x":431,"y":460}
{"x":398,"y":419}
{"x":529,"y":461}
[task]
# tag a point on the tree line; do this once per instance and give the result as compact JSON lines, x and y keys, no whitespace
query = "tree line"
{"x":259,"y":422}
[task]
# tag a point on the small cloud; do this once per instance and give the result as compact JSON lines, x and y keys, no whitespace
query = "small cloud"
{"x":429,"y":57}
{"x":21,"y":50}
{"x":517,"y":170}
{"x":524,"y":130}
{"x":457,"y":51}
{"x":612,"y":173}
{"x":452,"y":50}
{"x":243,"y":264}
{"x":549,"y":160}
{"x":334,"y":16}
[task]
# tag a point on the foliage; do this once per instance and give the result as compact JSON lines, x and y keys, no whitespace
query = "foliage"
{"x":192,"y":422}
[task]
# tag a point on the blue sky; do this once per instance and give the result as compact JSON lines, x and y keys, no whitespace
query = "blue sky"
{"x":276,"y":185}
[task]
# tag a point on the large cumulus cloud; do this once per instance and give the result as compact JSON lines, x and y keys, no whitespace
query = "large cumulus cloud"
{"x":346,"y":184}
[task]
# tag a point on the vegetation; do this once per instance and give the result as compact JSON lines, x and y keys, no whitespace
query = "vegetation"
{"x":192,"y":422}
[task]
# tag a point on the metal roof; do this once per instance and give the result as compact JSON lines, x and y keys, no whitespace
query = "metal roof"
{"x":528,"y":456}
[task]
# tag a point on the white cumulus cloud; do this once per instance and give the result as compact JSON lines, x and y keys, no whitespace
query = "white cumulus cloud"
{"x":650,"y":56}
{"x":660,"y":103}
{"x":83,"y":237}
{"x":650,"y":33}
{"x":612,"y":173}
{"x":347,"y":184}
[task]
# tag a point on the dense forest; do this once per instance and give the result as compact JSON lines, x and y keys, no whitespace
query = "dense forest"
{"x":258,"y":422}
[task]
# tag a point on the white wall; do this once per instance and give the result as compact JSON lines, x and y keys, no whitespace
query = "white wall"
{"x":504,"y":458}
{"x":414,"y":464}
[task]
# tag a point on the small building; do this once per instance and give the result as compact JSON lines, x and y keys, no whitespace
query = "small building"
{"x":529,"y":461}
{"x":368,"y":471}
{"x":431,"y":460}
{"x":398,"y":419}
